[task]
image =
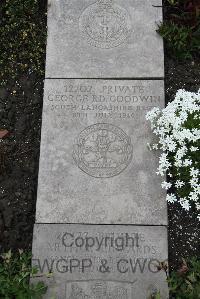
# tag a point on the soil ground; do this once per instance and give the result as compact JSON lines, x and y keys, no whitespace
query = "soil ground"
{"x":184,"y":228}
{"x":20,"y":114}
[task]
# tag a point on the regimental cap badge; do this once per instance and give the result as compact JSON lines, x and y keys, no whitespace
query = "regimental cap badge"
{"x":102,"y":150}
{"x":104,"y":24}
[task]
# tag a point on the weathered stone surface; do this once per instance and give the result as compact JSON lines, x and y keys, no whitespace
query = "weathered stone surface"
{"x":101,"y":261}
{"x":95,"y":166}
{"x":104,"y":39}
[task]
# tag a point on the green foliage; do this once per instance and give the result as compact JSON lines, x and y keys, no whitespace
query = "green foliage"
{"x":156,"y":296}
{"x":15,"y":270}
{"x":172,"y":2}
{"x":22,"y":38}
{"x":180,"y":40}
{"x":181,"y":28}
{"x":185,"y":284}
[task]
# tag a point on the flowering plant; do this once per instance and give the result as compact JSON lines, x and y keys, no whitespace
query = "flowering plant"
{"x":178,"y":130}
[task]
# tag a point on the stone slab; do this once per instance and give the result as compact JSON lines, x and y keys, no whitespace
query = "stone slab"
{"x":104,"y":39}
{"x":101,"y":261}
{"x":95,"y":166}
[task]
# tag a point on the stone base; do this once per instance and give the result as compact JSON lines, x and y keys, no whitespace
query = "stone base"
{"x":101,"y":261}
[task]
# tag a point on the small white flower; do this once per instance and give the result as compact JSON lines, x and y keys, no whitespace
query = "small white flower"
{"x":181,"y":152}
{"x":194,"y":172}
{"x":198,"y":206}
{"x":151,"y":115}
{"x":193,"y":196}
{"x":197,"y":189}
{"x":166,"y":185}
{"x":164,"y":162}
{"x":155,"y":146}
{"x":194,"y":148}
{"x":185,"y":204}
{"x":187,"y":162}
{"x":171,"y":198}
{"x":194,"y":182}
{"x":179,"y":184}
